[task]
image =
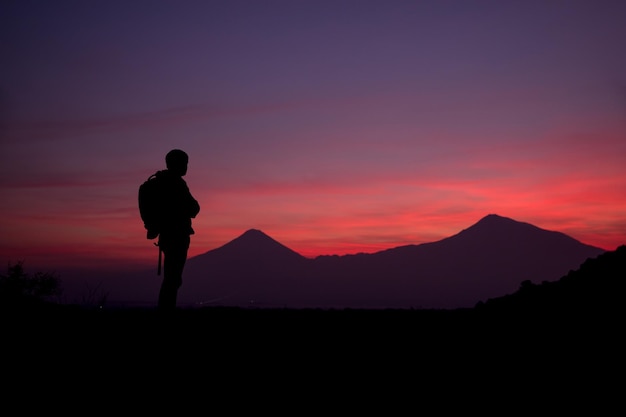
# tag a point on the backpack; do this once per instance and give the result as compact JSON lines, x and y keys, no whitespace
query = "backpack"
{"x":150,"y":209}
{"x":150,"y":205}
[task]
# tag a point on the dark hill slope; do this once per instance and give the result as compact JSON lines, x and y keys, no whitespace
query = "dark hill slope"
{"x":598,"y":286}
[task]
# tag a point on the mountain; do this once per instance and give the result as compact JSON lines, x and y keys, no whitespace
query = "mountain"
{"x":489,"y":259}
{"x":251,"y":268}
{"x":252,"y":246}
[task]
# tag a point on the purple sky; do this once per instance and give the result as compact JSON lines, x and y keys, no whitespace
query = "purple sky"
{"x":333,"y":126}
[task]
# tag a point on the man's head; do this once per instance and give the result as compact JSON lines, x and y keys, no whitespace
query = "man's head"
{"x":176,"y":161}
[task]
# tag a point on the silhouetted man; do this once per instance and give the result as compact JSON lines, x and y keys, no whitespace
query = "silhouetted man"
{"x":179,"y":207}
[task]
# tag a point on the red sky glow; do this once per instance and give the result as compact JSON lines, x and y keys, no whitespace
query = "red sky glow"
{"x":335,"y":127}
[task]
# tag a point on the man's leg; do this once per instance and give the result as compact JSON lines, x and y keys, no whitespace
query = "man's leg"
{"x":174,"y":258}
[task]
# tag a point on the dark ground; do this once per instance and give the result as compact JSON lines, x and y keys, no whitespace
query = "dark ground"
{"x":312,"y":330}
{"x":294,"y":361}
{"x":553,"y":348}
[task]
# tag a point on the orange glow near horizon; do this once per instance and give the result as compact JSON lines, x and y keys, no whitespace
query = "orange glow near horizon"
{"x":97,"y":223}
{"x":125,"y":245}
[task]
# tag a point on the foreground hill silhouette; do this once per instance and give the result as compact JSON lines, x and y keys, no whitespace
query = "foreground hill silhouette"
{"x":586,"y":301}
{"x":597,"y":287}
{"x":554,"y":337}
{"x":489,"y":259}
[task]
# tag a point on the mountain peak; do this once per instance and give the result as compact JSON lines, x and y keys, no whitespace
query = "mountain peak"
{"x":253,"y":237}
{"x":497,"y":231}
{"x":494,"y":218}
{"x":495,"y":221}
{"x":255,"y":244}
{"x":253,"y":233}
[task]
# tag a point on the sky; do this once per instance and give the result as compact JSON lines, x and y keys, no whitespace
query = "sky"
{"x":334,"y":127}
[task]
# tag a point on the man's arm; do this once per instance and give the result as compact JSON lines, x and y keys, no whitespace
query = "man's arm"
{"x":194,"y":207}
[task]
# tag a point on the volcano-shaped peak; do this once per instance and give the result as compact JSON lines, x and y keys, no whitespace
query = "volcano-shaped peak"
{"x":254,"y":234}
{"x":255,"y":244}
{"x":494,"y":231}
{"x":253,"y":237}
{"x":494,"y":219}
{"x":493,"y":222}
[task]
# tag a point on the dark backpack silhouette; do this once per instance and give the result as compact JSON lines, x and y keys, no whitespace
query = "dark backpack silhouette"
{"x":150,"y":205}
{"x":151,"y":209}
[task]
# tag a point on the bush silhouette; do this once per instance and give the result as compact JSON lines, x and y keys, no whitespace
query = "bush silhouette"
{"x":19,"y":288}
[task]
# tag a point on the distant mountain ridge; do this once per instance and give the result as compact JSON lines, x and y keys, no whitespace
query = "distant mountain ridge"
{"x":488,"y":259}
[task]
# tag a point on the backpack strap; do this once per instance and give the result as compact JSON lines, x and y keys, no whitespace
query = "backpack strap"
{"x":160,"y":259}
